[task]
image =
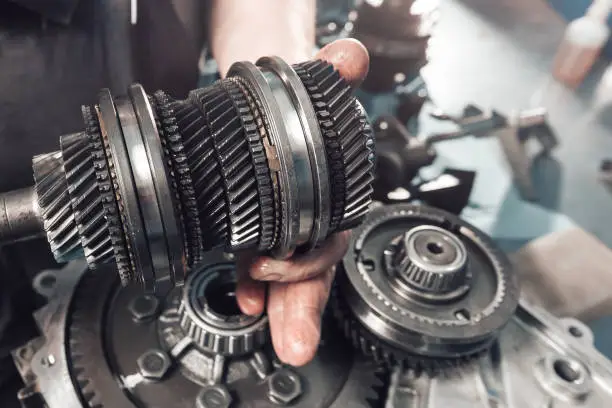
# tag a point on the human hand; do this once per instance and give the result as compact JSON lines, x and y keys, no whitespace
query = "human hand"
{"x":298,"y":288}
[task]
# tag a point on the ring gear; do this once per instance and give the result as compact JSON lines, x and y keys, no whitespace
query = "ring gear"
{"x":395,"y":324}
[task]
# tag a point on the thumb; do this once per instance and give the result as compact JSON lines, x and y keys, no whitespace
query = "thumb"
{"x":349,"y":57}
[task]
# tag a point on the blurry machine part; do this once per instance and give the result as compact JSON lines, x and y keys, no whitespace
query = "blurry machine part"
{"x":514,"y":132}
{"x":271,"y":158}
{"x":396,"y":33}
{"x":428,"y":273}
{"x":605,"y":172}
{"x":400,"y":156}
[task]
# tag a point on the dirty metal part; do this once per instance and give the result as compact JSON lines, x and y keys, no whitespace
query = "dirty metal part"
{"x":89,"y":346}
{"x":538,"y":361}
{"x":422,"y":288}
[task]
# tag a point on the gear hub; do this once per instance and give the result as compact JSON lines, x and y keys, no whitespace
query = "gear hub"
{"x":271,"y":158}
{"x":423,"y":288}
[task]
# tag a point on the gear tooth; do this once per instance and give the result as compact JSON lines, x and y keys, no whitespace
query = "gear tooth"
{"x":111,"y":212}
{"x":85,"y":199}
{"x":347,"y":134}
{"x":169,"y":114}
{"x":250,"y":335}
{"x":235,"y":141}
{"x":374,"y":348}
{"x":54,"y":202}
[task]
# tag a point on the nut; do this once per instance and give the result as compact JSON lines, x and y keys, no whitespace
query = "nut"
{"x":144,"y":307}
{"x":284,"y":386}
{"x":214,"y":396}
{"x":154,"y":364}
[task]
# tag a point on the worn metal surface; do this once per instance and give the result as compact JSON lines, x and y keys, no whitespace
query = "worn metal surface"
{"x":539,"y":361}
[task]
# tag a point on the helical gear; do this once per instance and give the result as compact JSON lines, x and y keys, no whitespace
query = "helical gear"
{"x":54,"y":202}
{"x":273,"y":158}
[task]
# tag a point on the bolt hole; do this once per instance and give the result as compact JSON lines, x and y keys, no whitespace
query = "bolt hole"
{"x":462,"y":314}
{"x":566,"y":370}
{"x":435,"y":248}
{"x":368,"y":264}
{"x":48,"y":281}
{"x":575,"y":331}
{"x":221,"y":299}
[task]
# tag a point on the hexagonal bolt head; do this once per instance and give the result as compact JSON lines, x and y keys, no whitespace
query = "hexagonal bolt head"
{"x":154,"y":364}
{"x":145,"y":307}
{"x":284,"y":386}
{"x":214,"y":396}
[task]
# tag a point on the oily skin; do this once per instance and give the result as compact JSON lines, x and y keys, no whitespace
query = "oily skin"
{"x":298,"y":287}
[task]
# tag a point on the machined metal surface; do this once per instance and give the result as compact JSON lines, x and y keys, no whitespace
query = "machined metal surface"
{"x":247,"y":163}
{"x":156,"y":267}
{"x":282,"y":164}
{"x":165,"y":366}
{"x":412,"y":314}
{"x":314,"y":142}
{"x":20,"y":216}
{"x":152,"y":144}
{"x":537,"y":361}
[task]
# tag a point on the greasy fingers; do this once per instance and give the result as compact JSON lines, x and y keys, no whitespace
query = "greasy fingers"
{"x":250,"y":294}
{"x":295,"y":311}
{"x":349,"y":57}
{"x":303,"y":266}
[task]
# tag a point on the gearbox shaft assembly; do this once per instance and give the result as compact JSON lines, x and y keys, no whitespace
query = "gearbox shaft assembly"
{"x":272,"y":158}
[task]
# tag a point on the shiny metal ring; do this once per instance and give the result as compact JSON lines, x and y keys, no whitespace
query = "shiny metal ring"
{"x":296,"y":147}
{"x":109,"y":124}
{"x":419,"y":257}
{"x":314,"y":143}
{"x":290,"y":214}
{"x":152,"y":144}
{"x":145,"y":191}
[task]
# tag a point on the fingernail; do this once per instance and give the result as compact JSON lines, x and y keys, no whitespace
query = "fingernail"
{"x":269,"y":277}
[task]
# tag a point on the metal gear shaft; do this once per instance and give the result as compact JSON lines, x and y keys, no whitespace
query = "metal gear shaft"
{"x":272,"y":158}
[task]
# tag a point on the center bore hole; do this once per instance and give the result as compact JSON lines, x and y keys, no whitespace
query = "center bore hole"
{"x":435,"y":248}
{"x":566,"y":371}
{"x":222,"y":299}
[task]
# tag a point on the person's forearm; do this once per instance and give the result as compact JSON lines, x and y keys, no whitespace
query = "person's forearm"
{"x":246,"y":30}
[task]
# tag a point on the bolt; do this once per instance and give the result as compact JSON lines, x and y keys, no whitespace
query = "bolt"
{"x":284,"y":386}
{"x":153,"y":364}
{"x":144,"y":307}
{"x":214,"y":396}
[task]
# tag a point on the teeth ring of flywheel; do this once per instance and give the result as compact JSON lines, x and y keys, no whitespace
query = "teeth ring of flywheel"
{"x":109,"y":199}
{"x":172,"y":140}
{"x":54,"y":202}
{"x":349,"y":142}
{"x":238,"y":173}
{"x":86,"y":199}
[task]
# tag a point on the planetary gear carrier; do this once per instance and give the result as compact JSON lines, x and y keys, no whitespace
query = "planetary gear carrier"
{"x":272,"y":158}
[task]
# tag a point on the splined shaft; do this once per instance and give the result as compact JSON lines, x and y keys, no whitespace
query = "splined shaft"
{"x":271,"y":158}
